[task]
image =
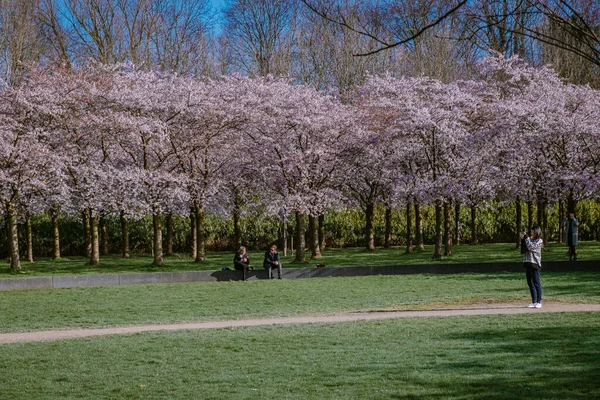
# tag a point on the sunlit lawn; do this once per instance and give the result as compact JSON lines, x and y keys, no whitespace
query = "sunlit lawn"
{"x":530,"y":356}
{"x":484,"y":253}
{"x":89,"y":307}
{"x":535,"y":356}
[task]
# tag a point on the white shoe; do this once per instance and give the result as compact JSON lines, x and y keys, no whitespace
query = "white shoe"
{"x":538,"y":305}
{"x":531,"y":305}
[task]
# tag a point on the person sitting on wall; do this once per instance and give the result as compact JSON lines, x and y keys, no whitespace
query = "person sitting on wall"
{"x":241,"y":260}
{"x":272,"y":261}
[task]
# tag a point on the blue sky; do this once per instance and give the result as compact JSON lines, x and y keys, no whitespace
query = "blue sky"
{"x":218,"y":4}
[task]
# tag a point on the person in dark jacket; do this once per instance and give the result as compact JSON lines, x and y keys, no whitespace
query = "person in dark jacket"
{"x":571,"y":225}
{"x":272,"y":261}
{"x":241,"y":261}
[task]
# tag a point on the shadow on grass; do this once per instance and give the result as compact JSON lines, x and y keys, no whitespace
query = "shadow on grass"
{"x":339,"y":257}
{"x":582,"y":290}
{"x":546,"y":363}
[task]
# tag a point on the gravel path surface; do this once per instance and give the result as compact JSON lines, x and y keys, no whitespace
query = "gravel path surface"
{"x":367,"y":315}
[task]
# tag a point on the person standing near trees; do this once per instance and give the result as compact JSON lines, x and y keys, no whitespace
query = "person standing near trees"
{"x":532,"y":261}
{"x":571,"y":225}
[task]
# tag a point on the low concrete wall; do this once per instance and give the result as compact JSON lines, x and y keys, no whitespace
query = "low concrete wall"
{"x":41,"y":282}
{"x":66,"y":281}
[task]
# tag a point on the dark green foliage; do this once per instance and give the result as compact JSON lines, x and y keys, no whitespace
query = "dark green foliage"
{"x":344,"y":228}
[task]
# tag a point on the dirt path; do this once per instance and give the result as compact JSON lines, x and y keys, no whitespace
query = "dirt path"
{"x":368,"y":315}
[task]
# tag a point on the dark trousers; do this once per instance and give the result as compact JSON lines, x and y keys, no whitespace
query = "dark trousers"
{"x":240,"y":266}
{"x":533,"y":281}
{"x":270,"y":267}
{"x":572,"y":252}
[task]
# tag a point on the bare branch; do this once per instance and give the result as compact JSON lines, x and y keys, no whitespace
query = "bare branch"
{"x":341,"y":21}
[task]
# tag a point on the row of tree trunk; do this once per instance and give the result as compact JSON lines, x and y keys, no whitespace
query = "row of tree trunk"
{"x":447,"y":232}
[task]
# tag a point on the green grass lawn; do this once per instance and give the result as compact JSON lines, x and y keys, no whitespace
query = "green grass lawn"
{"x":530,"y":356}
{"x":484,"y":253}
{"x":533,"y":356}
{"x":23,"y":310}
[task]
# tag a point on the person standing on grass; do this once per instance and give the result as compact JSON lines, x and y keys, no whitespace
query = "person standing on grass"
{"x":571,"y":225}
{"x":532,"y":261}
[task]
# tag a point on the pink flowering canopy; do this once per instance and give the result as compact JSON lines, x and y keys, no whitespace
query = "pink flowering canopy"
{"x":115,"y":139}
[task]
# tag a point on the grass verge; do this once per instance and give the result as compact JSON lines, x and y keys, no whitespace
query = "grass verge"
{"x":533,"y":356}
{"x":27,"y":310}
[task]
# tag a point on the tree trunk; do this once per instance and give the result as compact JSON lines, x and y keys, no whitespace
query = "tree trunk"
{"x":437,"y":252}
{"x":545,"y":223}
{"x":237,"y":219}
{"x":124,"y":235}
{"x":55,"y":235}
{"x":529,"y":215}
{"x":561,"y":227}
{"x":519,"y":222}
{"x":542,"y":217}
{"x":157,"y":244}
{"x":283,"y":237}
{"x":29,"y":234}
{"x":237,"y":228}
{"x":13,"y":239}
{"x":322,"y":239}
{"x":457,"y":223}
{"x":313,"y":227}
{"x":200,"y":234}
{"x":193,"y":233}
{"x":300,"y":238}
{"x":388,"y":228}
{"x":409,"y":244}
{"x":571,"y":202}
{"x":169,"y":241}
{"x":104,"y":236}
{"x":369,"y":230}
{"x":540,"y":212}
{"x":94,"y":240}
{"x":87,"y":233}
{"x":447,"y":229}
{"x":419,"y":227}
{"x":474,"y":236}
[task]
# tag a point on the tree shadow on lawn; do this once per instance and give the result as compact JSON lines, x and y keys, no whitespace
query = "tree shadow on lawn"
{"x":580,"y":291}
{"x":546,"y":363}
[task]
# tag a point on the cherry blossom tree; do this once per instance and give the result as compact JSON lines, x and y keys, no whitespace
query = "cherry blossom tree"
{"x":550,"y":146}
{"x":370,"y":165}
{"x":204,"y":138}
{"x":295,"y":138}
{"x":135,"y":121}
{"x":21,"y":158}
{"x":431,"y":118}
{"x":26,"y":162}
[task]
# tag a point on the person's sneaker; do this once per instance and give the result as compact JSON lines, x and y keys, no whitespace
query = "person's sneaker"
{"x":538,"y":305}
{"x":530,"y":305}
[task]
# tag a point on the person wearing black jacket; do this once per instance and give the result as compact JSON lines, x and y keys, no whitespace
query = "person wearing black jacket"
{"x":571,"y":225}
{"x":272,"y":261}
{"x":241,"y":261}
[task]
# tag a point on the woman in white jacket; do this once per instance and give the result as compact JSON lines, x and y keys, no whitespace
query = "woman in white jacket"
{"x":532,"y":261}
